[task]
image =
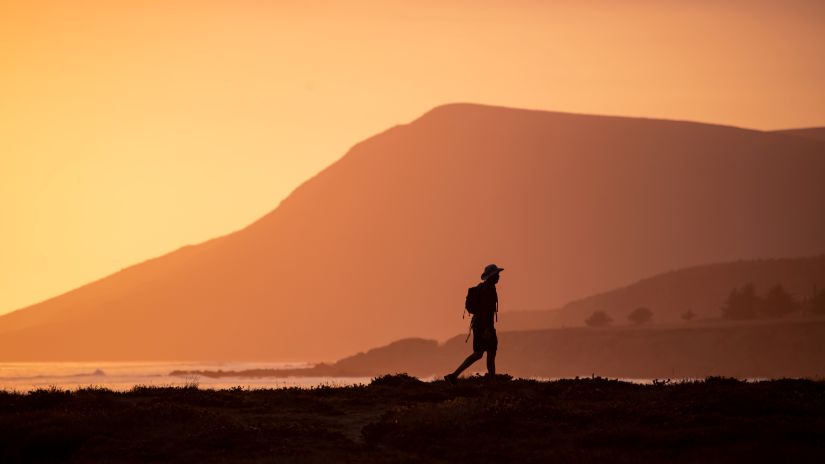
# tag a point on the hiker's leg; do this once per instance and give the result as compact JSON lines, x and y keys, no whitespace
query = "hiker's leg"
{"x":491,"y":362}
{"x":468,"y":362}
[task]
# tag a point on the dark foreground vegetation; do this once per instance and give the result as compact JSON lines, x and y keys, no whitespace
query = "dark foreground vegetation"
{"x":401,"y":419}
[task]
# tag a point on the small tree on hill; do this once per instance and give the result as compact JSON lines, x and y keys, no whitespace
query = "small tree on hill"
{"x":640,"y":315}
{"x":778,"y":302}
{"x":817,"y":302}
{"x":598,"y":319}
{"x":688,"y":315}
{"x":742,"y":304}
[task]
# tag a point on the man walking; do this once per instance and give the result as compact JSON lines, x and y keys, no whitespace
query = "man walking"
{"x":482,"y":303}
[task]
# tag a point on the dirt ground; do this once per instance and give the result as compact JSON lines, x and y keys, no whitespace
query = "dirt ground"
{"x":401,"y":419}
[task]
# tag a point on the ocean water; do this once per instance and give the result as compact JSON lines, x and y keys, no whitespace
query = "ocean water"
{"x":123,"y":376}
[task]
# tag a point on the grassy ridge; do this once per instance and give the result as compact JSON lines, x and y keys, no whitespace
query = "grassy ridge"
{"x":400,"y":419}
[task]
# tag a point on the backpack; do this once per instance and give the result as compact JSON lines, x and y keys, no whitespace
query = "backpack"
{"x":473,"y":300}
{"x":472,"y":304}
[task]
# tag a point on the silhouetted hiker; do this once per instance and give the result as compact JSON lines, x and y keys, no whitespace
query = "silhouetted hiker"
{"x":482,"y":303}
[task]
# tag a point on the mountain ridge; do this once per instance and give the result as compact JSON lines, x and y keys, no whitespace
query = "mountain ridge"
{"x":433,"y":201}
{"x":812,"y":133}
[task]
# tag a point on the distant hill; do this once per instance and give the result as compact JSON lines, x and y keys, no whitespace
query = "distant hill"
{"x":701,"y":289}
{"x":743,"y":349}
{"x":757,"y":349}
{"x":382,"y":244}
{"x":813,"y":133}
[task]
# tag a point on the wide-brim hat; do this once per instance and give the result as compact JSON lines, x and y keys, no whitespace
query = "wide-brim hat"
{"x":490,"y":271}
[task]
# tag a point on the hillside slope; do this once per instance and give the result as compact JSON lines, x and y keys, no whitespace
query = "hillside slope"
{"x":701,"y":289}
{"x":757,"y":349}
{"x":813,"y":133}
{"x":767,"y":349}
{"x":382,"y":244}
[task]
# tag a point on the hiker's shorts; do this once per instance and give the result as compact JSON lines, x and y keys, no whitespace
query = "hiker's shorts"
{"x":485,"y":340}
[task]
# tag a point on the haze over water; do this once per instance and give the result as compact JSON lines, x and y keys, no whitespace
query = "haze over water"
{"x":122,"y":376}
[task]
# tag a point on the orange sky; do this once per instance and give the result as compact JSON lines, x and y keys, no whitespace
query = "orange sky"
{"x":129,"y":129}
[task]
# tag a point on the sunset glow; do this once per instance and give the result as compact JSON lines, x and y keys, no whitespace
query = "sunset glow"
{"x":130,"y":129}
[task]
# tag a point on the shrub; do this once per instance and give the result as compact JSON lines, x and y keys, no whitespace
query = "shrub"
{"x":744,"y":303}
{"x":817,"y":302}
{"x":741,"y":304}
{"x":778,"y":302}
{"x":396,"y":380}
{"x":640,"y":315}
{"x":598,"y":319}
